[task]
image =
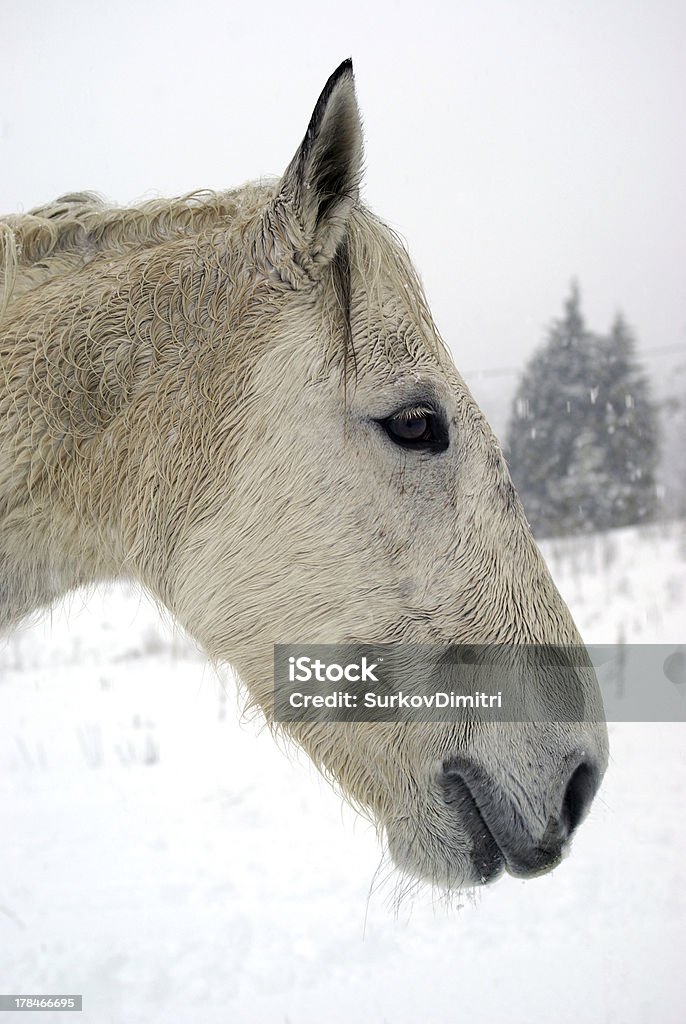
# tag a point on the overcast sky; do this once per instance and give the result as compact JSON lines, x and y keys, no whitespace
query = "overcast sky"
{"x":513,"y":144}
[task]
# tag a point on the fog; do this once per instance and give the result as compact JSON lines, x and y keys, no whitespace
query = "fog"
{"x":513,"y":145}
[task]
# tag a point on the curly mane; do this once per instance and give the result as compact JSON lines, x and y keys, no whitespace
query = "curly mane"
{"x":70,"y":231}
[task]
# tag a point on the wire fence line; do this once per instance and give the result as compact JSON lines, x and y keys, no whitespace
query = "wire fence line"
{"x":644,"y":356}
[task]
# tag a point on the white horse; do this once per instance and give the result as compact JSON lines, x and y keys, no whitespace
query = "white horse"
{"x":241,"y":401}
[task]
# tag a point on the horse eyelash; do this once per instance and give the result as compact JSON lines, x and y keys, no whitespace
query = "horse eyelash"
{"x":414,"y":412}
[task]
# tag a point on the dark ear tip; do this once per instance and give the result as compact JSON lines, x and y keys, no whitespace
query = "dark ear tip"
{"x":345,"y":68}
{"x":343,"y":71}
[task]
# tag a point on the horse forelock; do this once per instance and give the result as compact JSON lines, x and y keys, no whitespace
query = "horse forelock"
{"x":381,"y":306}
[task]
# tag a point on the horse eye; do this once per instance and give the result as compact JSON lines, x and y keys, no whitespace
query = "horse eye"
{"x":411,"y":428}
{"x":417,"y":428}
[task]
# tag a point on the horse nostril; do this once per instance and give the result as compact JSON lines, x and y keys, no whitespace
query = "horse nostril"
{"x":578,"y":795}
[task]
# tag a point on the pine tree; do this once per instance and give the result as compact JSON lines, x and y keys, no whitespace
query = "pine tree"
{"x":549,"y":414}
{"x":626,"y":421}
{"x":582,"y":442}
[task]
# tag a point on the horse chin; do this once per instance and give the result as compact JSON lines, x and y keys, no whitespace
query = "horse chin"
{"x":463,"y":864}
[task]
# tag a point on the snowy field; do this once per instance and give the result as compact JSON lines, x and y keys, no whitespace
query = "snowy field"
{"x":162,"y":856}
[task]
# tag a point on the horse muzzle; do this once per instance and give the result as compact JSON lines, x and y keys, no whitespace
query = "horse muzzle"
{"x":502,"y":833}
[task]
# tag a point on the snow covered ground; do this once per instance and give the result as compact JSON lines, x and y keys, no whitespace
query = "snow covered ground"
{"x":164,"y":858}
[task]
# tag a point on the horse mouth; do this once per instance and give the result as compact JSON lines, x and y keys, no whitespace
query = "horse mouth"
{"x":487,"y":858}
{"x":499,"y":839}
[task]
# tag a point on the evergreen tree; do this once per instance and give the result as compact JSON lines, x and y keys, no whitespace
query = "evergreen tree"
{"x":549,"y":413}
{"x":582,"y":442}
{"x":626,"y":421}
{"x":672,"y":466}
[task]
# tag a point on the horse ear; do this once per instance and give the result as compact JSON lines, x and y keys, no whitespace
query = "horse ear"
{"x":321,"y":183}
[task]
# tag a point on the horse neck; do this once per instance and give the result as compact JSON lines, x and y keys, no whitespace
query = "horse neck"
{"x":65,"y":380}
{"x":105,"y":376}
